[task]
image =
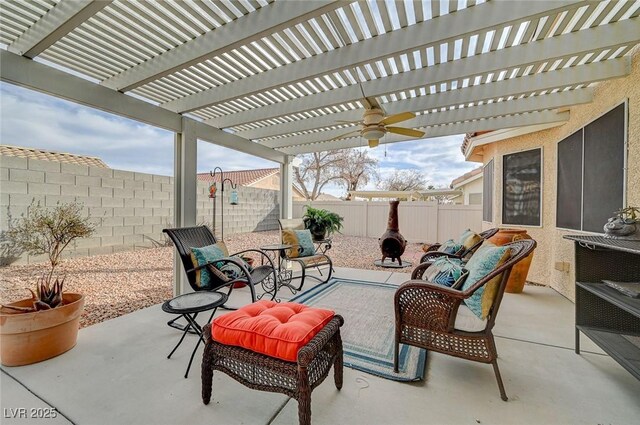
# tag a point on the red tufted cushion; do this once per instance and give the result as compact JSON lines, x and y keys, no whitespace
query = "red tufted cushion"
{"x":274,"y":329}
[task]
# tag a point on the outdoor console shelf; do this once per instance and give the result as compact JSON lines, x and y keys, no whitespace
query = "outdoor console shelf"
{"x":610,"y":318}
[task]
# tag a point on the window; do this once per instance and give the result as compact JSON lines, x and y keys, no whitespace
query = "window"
{"x":522,"y":188}
{"x":487,"y":192}
{"x":591,"y":173}
{"x":475,"y":199}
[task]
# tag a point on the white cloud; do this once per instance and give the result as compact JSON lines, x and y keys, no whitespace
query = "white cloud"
{"x":31,"y":119}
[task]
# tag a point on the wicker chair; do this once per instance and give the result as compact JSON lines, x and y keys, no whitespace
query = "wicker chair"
{"x":433,"y":253}
{"x":200,"y":236}
{"x":426,"y":315}
{"x":317,"y":260}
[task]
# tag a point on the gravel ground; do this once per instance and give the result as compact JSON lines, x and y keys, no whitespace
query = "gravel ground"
{"x":118,"y":284}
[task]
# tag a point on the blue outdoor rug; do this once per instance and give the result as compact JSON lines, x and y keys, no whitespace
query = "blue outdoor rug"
{"x":368,"y":332}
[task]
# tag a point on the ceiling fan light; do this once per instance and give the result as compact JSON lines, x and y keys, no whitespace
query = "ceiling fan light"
{"x":372,"y":133}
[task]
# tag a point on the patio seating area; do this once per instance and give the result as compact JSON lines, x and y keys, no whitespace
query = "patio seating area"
{"x":130,"y":380}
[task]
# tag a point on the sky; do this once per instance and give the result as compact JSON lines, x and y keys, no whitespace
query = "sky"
{"x":32,"y":119}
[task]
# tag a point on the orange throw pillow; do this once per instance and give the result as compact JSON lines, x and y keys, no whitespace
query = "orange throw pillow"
{"x":274,"y":329}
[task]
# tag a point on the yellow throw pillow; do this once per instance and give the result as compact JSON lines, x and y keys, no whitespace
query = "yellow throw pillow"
{"x":491,"y":288}
{"x":289,"y":237}
{"x":469,"y":239}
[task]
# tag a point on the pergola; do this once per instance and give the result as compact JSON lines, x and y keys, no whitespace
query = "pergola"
{"x":274,"y":78}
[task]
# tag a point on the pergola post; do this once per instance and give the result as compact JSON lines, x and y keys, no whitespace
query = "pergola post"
{"x":286,"y":193}
{"x":184,"y":192}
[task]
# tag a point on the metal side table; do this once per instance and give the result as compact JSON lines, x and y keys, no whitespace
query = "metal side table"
{"x":188,"y":306}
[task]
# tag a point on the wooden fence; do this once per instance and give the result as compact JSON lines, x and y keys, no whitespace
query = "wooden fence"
{"x":419,"y":221}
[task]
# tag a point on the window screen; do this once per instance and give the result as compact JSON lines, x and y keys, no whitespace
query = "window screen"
{"x":487,"y":192}
{"x":591,"y":173}
{"x":569,"y":203}
{"x":521,"y":188}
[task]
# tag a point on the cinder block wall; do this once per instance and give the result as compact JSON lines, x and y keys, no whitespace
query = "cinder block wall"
{"x":130,"y":209}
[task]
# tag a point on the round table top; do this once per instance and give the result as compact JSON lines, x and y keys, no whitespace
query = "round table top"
{"x":275,"y":247}
{"x":194,"y":302}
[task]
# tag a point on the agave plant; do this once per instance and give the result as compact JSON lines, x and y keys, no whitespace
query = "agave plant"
{"x":45,"y":297}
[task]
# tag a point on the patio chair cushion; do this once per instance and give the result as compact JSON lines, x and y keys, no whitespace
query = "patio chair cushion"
{"x":450,"y":247}
{"x":209,"y":276}
{"x":446,"y":272}
{"x":467,"y":321}
{"x":469,"y":238}
{"x":274,"y":329}
{"x":298,"y":238}
{"x":483,"y":262}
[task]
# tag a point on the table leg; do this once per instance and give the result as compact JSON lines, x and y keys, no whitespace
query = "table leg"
{"x":184,"y":333}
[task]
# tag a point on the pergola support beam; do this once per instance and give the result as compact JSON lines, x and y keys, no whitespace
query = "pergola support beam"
{"x":286,"y":189}
{"x":531,"y":118}
{"x":265,"y":21}
{"x":405,"y":40}
{"x":36,"y":76}
{"x":581,"y":42}
{"x":581,"y":74}
{"x":474,"y":113}
{"x":185,"y":192}
{"x":58,"y":22}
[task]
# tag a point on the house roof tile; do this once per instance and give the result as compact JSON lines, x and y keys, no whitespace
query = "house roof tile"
{"x":44,"y":155}
{"x":241,"y":177}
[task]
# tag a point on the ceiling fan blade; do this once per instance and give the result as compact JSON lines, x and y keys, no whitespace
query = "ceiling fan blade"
{"x":342,"y":136}
{"x":374,"y":143}
{"x":393,"y":119}
{"x":405,"y":131}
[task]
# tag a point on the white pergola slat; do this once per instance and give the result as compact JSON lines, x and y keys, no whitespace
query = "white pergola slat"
{"x":272,"y":18}
{"x":497,"y":109}
{"x":584,"y":74}
{"x":532,"y":118}
{"x":54,"y":25}
{"x":610,"y":36}
{"x":406,"y":40}
{"x":278,"y":74}
{"x":36,"y":76}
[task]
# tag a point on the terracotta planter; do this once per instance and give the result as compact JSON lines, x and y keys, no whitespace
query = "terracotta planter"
{"x":518,"y":276}
{"x":27,"y":338}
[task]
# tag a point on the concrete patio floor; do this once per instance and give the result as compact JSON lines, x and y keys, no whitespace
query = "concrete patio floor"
{"x":119,"y":374}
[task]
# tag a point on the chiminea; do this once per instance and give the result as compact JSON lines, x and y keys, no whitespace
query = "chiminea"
{"x":392,"y":244}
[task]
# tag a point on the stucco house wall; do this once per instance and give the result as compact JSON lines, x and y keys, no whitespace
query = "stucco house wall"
{"x":474,"y":186}
{"x":552,"y":248}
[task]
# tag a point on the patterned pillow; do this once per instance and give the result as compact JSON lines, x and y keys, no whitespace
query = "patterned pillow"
{"x":487,"y":258}
{"x":232,"y":271}
{"x":450,"y":247}
{"x":208,"y":277}
{"x":469,"y":238}
{"x":298,"y":238}
{"x":446,"y":272}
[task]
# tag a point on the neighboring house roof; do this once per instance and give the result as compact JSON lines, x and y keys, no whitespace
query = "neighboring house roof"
{"x":43,"y":155}
{"x":241,"y":177}
{"x":467,"y":176}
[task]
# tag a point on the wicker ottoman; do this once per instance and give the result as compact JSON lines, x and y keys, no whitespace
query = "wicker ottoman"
{"x":262,"y":372}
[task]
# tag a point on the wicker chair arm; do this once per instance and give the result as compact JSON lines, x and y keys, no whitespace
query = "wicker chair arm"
{"x":426,"y":305}
{"x":307,"y":353}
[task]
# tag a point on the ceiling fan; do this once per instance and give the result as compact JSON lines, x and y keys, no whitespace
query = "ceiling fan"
{"x":375,"y":124}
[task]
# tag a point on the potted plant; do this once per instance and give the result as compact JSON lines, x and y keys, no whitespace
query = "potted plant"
{"x":45,"y":325}
{"x":321,"y":223}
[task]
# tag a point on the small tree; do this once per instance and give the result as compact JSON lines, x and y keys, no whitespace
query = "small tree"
{"x":356,"y":168}
{"x":50,"y":230}
{"x":401,"y":180}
